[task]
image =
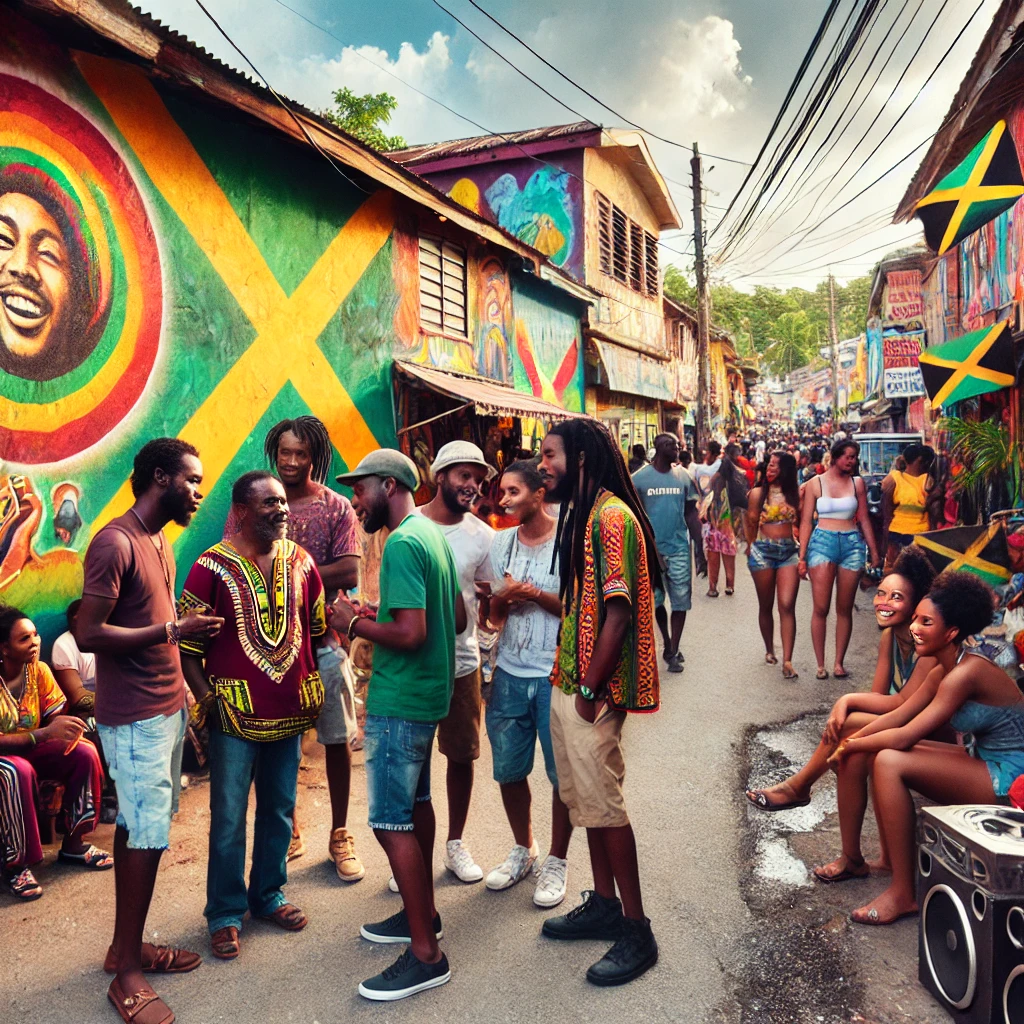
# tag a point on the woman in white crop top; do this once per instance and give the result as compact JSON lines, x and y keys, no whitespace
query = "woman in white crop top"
{"x":833,"y":550}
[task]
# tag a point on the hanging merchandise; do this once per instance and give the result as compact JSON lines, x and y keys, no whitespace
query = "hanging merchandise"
{"x":973,"y":364}
{"x":976,"y":191}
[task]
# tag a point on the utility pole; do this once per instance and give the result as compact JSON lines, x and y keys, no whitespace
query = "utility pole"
{"x":834,"y":341}
{"x":701,"y":419}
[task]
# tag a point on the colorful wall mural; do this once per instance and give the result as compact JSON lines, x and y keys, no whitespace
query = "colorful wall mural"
{"x":538,"y":201}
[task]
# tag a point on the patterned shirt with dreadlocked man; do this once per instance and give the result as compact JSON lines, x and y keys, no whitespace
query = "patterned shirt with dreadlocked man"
{"x":615,"y":560}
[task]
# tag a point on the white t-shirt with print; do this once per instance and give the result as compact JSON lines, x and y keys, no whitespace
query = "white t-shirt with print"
{"x":470,"y":542}
{"x":67,"y":655}
{"x":526,"y":648}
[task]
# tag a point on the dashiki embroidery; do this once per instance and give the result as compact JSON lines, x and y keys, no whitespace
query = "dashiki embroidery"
{"x":262,"y":665}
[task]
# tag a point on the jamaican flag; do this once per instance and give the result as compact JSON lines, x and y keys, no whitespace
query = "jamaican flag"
{"x":976,"y":191}
{"x":973,"y":364}
{"x":978,"y":549}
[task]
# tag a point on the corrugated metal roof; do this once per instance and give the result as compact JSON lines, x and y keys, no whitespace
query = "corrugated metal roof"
{"x":412,"y":155}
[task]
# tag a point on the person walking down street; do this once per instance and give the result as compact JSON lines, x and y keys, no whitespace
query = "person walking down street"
{"x":128,"y":620}
{"x":459,"y":470}
{"x":773,"y":512}
{"x":704,"y":471}
{"x":693,"y":523}
{"x":905,"y":500}
{"x":832,"y":551}
{"x":720,"y":524}
{"x":322,"y":521}
{"x":524,"y":597}
{"x":665,"y":489}
{"x":421,"y":611}
{"x":606,"y":667}
{"x":39,"y":740}
{"x":637,"y":458}
{"x":258,"y":686}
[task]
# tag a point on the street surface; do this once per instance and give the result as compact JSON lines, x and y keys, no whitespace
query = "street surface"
{"x":744,"y":935}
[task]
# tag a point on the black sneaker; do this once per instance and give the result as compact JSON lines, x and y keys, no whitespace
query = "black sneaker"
{"x":675,"y":663}
{"x":405,"y":977}
{"x":634,"y":953}
{"x":395,"y":930}
{"x":595,"y":918}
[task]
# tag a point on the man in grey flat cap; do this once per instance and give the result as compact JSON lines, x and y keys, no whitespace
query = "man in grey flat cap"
{"x":421,"y":611}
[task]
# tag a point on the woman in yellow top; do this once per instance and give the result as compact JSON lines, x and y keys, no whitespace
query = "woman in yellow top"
{"x":905,"y":500}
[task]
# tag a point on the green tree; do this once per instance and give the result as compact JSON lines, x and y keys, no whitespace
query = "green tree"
{"x":792,"y":343}
{"x":362,"y":116}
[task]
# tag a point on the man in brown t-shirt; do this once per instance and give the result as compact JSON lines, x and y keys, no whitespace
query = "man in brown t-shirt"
{"x":128,"y":619}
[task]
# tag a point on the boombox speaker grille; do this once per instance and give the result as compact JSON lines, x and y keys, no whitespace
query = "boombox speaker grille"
{"x":949,"y":946}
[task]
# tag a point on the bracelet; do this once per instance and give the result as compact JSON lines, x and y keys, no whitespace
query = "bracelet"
{"x":32,"y":737}
{"x":173,"y":632}
{"x":351,"y":626}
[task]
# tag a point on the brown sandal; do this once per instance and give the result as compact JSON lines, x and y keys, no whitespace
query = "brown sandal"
{"x":129,"y":1007}
{"x":287,"y":916}
{"x":224,"y":943}
{"x":165,"y":960}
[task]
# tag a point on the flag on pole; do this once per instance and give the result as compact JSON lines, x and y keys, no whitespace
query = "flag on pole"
{"x":978,"y":549}
{"x":973,"y":364}
{"x":976,"y":191}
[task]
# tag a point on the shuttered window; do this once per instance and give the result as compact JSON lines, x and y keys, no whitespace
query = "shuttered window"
{"x":442,"y":286}
{"x":625,"y":251}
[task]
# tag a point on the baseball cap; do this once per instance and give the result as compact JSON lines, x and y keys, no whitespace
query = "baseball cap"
{"x":455,"y":453}
{"x":384,"y":462}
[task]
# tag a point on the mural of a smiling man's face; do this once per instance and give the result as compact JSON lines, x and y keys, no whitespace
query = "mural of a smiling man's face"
{"x":35,"y":278}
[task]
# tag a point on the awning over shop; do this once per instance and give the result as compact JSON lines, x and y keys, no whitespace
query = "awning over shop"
{"x":489,"y":397}
{"x":633,"y":373}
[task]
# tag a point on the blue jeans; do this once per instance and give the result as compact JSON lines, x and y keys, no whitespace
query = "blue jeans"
{"x":518,"y":714}
{"x":234,"y":764}
{"x":397,"y":769}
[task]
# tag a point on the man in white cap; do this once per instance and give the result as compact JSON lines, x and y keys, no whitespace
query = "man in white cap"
{"x":413,"y":634}
{"x":459,"y":471}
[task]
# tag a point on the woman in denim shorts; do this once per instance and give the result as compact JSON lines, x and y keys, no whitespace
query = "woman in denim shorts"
{"x":833,"y":550}
{"x":773,"y":512}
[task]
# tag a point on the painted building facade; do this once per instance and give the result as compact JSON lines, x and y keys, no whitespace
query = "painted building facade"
{"x":175,"y":259}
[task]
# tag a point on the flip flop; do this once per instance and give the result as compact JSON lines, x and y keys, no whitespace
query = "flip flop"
{"x":130,"y":1006}
{"x":712,"y":593}
{"x":790,"y":675}
{"x":822,"y":673}
{"x":770,"y":658}
{"x":872,"y":918}
{"x":23,"y":885}
{"x":92,"y":857}
{"x":166,"y":960}
{"x":841,"y":675}
{"x":843,"y":876}
{"x":760,"y":800}
{"x":729,"y":591}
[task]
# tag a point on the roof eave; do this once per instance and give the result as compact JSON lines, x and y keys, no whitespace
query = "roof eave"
{"x":646,"y":173}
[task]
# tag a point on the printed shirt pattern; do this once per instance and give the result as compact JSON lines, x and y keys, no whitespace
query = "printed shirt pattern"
{"x":40,"y":699}
{"x":615,"y":559}
{"x":261,"y":665}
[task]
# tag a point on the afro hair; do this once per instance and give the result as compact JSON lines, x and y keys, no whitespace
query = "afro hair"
{"x":964,"y":601}
{"x":916,"y":568}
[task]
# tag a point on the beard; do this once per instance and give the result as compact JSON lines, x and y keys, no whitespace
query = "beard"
{"x":558,"y":491}
{"x":266,"y":530}
{"x":177,"y":506}
{"x":377,"y":516}
{"x":450,"y":497}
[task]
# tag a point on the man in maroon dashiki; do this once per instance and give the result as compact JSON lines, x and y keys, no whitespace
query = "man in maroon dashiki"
{"x":322,"y":521}
{"x":259,"y":684}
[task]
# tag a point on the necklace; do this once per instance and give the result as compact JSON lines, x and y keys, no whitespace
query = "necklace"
{"x":159,"y":545}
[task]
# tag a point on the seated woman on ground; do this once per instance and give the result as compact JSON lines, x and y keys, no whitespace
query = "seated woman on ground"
{"x":38,"y":741}
{"x":898,"y":675}
{"x":978,"y":700}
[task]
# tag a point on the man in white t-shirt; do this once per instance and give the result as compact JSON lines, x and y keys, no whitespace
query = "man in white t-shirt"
{"x":703,"y":472}
{"x":74,"y":670}
{"x":459,"y":471}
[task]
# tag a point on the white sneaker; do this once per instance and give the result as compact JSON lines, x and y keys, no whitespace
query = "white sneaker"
{"x":550,"y":889}
{"x":392,"y":884}
{"x":516,"y":867}
{"x":459,"y":861}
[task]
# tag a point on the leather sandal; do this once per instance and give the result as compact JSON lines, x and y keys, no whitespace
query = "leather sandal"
{"x":130,"y":1006}
{"x":224,"y":943}
{"x":165,"y":960}
{"x":287,"y":916}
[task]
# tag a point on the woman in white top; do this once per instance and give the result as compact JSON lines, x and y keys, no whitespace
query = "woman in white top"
{"x":832,"y":552}
{"x":524,"y":596}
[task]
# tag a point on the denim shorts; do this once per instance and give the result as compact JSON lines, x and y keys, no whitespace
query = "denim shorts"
{"x":397,"y":769}
{"x":144,"y":759}
{"x":518,"y":714}
{"x":843,"y":548}
{"x":772,"y":554}
{"x":678,"y":582}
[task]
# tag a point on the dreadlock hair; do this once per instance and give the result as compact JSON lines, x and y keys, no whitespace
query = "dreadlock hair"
{"x":588,"y":442}
{"x":312,"y":433}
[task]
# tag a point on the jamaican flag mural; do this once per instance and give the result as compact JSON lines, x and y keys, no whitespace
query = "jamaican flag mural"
{"x":986,"y":183}
{"x":978,"y":549}
{"x":973,"y":364}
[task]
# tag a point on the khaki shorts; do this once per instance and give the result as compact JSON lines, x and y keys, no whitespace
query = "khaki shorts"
{"x":458,"y":735}
{"x":336,"y":725}
{"x":588,"y":757}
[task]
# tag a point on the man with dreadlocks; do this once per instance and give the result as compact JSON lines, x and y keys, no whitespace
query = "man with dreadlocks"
{"x":322,"y":521}
{"x":606,"y":666}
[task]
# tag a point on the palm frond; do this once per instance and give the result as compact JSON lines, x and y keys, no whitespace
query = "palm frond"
{"x":983,"y":449}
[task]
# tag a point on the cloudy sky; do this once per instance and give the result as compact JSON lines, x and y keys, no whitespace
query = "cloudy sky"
{"x":711,"y":71}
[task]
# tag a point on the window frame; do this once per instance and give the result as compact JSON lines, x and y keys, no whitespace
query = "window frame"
{"x":446,"y":284}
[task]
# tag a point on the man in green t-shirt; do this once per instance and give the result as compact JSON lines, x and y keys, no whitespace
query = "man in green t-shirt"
{"x":420,"y":612}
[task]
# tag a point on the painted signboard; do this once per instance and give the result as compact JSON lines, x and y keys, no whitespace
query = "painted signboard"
{"x":903,"y":303}
{"x":901,"y":373}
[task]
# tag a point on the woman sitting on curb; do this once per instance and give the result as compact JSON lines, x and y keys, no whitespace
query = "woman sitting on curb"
{"x":899,"y":673}
{"x":978,"y":700}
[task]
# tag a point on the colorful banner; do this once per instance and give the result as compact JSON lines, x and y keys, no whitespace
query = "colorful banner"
{"x":901,"y":370}
{"x":903,"y":302}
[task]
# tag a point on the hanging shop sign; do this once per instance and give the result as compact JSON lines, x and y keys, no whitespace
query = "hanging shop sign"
{"x":903,"y":303}
{"x":901,"y":374}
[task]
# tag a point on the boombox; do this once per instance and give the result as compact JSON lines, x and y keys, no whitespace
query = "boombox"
{"x":970,"y":888}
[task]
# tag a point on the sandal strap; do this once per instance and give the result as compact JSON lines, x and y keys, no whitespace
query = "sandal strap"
{"x":131,"y":1006}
